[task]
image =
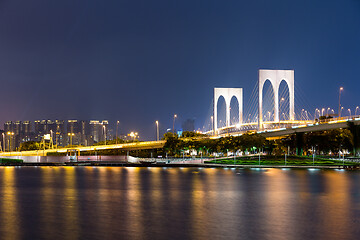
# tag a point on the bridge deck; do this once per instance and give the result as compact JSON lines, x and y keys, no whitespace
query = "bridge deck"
{"x":123,"y":146}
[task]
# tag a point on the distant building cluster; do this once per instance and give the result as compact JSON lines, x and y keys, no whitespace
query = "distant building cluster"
{"x":62,"y":133}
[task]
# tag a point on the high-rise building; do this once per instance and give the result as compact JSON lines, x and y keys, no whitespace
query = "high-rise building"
{"x":26,"y":134}
{"x":84,"y":133}
{"x":42,"y":127}
{"x":8,"y":126}
{"x":59,"y":133}
{"x":105,"y":130}
{"x":99,"y":130}
{"x":95,"y":128}
{"x":73,"y":132}
{"x":26,"y":127}
{"x":37,"y":127}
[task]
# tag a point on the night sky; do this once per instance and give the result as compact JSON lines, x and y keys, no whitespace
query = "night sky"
{"x":141,"y":61}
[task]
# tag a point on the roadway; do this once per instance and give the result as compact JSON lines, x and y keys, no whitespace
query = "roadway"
{"x":302,"y":127}
{"x":312,"y":127}
{"x":123,"y":146}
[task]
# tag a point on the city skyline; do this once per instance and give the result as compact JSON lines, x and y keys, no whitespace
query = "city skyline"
{"x":140,"y":62}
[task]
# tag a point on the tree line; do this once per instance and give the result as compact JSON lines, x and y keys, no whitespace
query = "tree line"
{"x":323,"y":143}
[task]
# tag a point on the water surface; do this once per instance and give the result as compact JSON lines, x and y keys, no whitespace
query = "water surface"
{"x":178,"y":203}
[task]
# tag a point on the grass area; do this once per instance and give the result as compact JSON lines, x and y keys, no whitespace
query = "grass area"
{"x":10,"y":160}
{"x":280,"y":160}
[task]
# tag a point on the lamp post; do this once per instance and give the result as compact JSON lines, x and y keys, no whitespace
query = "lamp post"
{"x":349,"y":113}
{"x":356,"y":109}
{"x":104,"y":127}
{"x":212,"y":125}
{"x":175,"y":116}
{"x":157,"y":130}
{"x":322,"y":111}
{"x":10,"y":134}
{"x":316,"y":110}
{"x":51,"y":138}
{"x":3,"y":135}
{"x":117,"y":124}
{"x":340,"y":89}
{"x":281,"y":100}
{"x":71,"y":135}
{"x":133,"y":135}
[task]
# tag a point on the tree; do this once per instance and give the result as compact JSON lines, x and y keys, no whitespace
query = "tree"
{"x":31,"y":145}
{"x":172,"y":143}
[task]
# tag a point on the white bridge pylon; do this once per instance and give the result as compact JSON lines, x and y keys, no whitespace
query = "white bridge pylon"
{"x":228,"y":94}
{"x":276,"y":77}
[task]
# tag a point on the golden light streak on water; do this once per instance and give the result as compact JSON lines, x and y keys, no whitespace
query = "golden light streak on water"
{"x":47,"y":202}
{"x":174,"y":182}
{"x":278,"y":203}
{"x":134,"y":202}
{"x":10,"y":223}
{"x":199,"y":205}
{"x":70,"y":204}
{"x":105,"y":195}
{"x":336,"y":200}
{"x":156,"y":201}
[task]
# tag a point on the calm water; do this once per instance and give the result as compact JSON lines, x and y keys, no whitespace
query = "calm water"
{"x":178,"y":203}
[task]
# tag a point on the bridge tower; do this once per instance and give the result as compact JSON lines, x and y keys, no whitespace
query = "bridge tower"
{"x":276,"y":77}
{"x":228,"y":94}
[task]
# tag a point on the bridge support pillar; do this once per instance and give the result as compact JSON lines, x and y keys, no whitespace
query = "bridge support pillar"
{"x":276,"y":77}
{"x":355,"y":130}
{"x":227,"y":94}
{"x":299,"y":143}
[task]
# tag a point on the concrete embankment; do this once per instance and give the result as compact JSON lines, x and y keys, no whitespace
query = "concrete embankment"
{"x":199,"y":165}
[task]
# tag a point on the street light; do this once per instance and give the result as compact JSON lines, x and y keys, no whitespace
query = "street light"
{"x":10,"y":134}
{"x":3,"y":135}
{"x":175,"y":116}
{"x":71,"y":135}
{"x":104,"y":127}
{"x":340,"y":89}
{"x":356,"y":109}
{"x":349,"y":113}
{"x":322,"y":111}
{"x":133,"y":135}
{"x":281,"y":100}
{"x":341,"y":109}
{"x":157,"y":130}
{"x":51,"y":138}
{"x":117,"y":124}
{"x":316,"y":110}
{"x":212,"y":125}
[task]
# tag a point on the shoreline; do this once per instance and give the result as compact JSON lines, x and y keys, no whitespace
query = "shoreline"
{"x":198,"y":165}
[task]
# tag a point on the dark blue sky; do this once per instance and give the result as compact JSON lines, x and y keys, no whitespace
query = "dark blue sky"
{"x":141,"y":61}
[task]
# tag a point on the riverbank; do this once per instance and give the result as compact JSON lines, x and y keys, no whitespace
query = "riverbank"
{"x":173,"y":165}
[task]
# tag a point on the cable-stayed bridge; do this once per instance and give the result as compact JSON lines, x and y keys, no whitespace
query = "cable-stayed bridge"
{"x":270,"y":108}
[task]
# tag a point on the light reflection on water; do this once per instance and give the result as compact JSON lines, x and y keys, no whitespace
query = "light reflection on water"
{"x":178,"y":203}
